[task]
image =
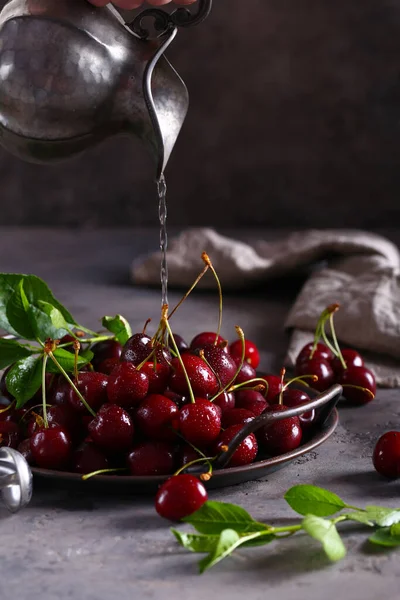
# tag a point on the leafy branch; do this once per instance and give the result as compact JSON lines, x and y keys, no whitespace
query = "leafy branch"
{"x":222,"y":528}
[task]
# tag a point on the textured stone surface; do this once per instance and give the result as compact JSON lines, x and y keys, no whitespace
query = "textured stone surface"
{"x":76,"y":545}
{"x":294,"y":119}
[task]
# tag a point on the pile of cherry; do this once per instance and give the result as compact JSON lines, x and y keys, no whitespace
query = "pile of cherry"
{"x":152,"y":411}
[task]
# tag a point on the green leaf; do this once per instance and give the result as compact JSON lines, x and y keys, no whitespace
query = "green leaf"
{"x":11,"y":351}
{"x":35,"y":290}
{"x":17,"y":312}
{"x":47,"y":321}
{"x":196,"y":542}
{"x":325,"y":532}
{"x":214,"y":517}
{"x":383,"y":517}
{"x":385,"y":537}
{"x":229,"y":540}
{"x":119,"y":326}
{"x":395,"y":529}
{"x":24,"y":379}
{"x":359,"y":516}
{"x":309,"y":499}
{"x":67,"y":361}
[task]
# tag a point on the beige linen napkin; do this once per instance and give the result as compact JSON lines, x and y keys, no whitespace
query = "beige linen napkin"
{"x":359,"y":270}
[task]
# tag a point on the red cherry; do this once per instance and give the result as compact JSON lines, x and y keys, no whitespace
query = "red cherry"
{"x":152,"y":458}
{"x":386,"y":456}
{"x":282,"y":436}
{"x":127,"y":386}
{"x":109,"y":349}
{"x":226,"y":401}
{"x":59,"y":392}
{"x":251,"y":353}
{"x":107,"y":366}
{"x":246,"y":373}
{"x":205,"y":339}
{"x":351,"y":358}
{"x":158,"y":375}
{"x":51,"y":448}
{"x":180,"y":496}
{"x":139,"y":347}
{"x":221,"y":364}
{"x":246,"y":451}
{"x":157,"y":416}
{"x":274,"y":386}
{"x":251,"y":400}
{"x":188,"y":454}
{"x":237,"y":416}
{"x":10,"y":435}
{"x":322,"y":369}
{"x":177,"y":398}
{"x":361,"y":377}
{"x":89,"y":459}
{"x":200,"y":423}
{"x":180,"y":342}
{"x":322,"y":352}
{"x":202,"y":379}
{"x":293,"y":398}
{"x":112,"y":429}
{"x":93,"y":387}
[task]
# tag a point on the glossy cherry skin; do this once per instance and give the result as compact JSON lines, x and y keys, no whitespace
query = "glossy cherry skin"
{"x":59,"y":392}
{"x":293,"y":398}
{"x":226,"y":401}
{"x":157,"y":417}
{"x":251,"y":353}
{"x":322,"y":352}
{"x":152,"y":458}
{"x":203,"y":381}
{"x":10,"y":435}
{"x":158,"y":375}
{"x":386,"y":456}
{"x":205,"y":339}
{"x":251,"y":400}
{"x":139,"y":347}
{"x":64,"y":417}
{"x":246,"y":451}
{"x":7,"y":410}
{"x":187,"y":455}
{"x":105,"y":350}
{"x":112,"y":429}
{"x":246,"y":373}
{"x":237,"y":416}
{"x":107,"y":366}
{"x":274,"y":387}
{"x":221,"y":363}
{"x":361,"y":377}
{"x":93,"y":387}
{"x":200,"y":423}
{"x":180,"y":342}
{"x":51,"y":448}
{"x":282,"y":436}
{"x":177,"y":398}
{"x":322,"y":369}
{"x":180,"y":496}
{"x":351,"y":358}
{"x":89,"y":459}
{"x":127,"y":386}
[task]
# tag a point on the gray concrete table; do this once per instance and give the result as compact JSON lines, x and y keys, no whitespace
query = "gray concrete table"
{"x":92,"y":547}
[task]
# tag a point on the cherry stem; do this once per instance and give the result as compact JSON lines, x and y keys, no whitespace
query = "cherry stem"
{"x":11,"y":405}
{"x":209,"y":264}
{"x":245,"y":384}
{"x":206,"y":459}
{"x":335,"y":341}
{"x":179,"y":357}
{"x":145,"y":326}
{"x":240,"y":333}
{"x":358,"y":387}
{"x":283,"y":373}
{"x":71,"y":383}
{"x":301,"y":379}
{"x":44,"y":365}
{"x":101,"y":472}
{"x":201,"y":354}
{"x":182,"y":300}
{"x":77,"y":347}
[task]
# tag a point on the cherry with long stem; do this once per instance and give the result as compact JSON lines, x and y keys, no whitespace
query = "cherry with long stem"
{"x":164,"y":319}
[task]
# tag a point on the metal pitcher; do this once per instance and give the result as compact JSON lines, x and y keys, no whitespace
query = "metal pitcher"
{"x":72,"y":75}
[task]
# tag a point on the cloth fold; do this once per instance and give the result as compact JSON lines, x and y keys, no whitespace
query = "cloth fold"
{"x":357,"y":269}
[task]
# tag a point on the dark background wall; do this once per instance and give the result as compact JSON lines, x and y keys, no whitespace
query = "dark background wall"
{"x":294,"y":121}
